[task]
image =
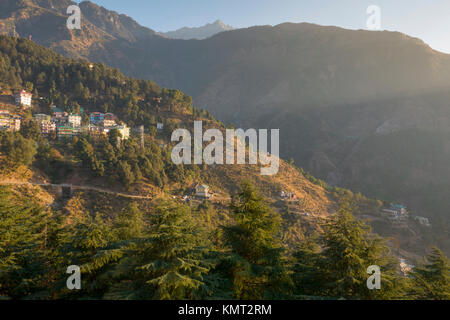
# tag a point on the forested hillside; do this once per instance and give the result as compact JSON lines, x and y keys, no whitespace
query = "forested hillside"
{"x":360,"y":109}
{"x":164,"y":254}
{"x":247,"y":244}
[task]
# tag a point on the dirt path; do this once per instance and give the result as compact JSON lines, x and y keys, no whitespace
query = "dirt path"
{"x":74,"y":187}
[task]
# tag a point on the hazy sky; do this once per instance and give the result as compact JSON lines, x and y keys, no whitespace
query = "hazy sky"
{"x":425,"y":19}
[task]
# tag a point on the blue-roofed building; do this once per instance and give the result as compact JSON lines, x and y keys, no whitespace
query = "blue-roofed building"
{"x":395,"y":213}
{"x":96,"y":117}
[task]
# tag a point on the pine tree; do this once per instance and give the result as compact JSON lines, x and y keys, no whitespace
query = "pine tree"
{"x":125,"y":174}
{"x":348,"y":249}
{"x":17,"y":149}
{"x":89,"y":243}
{"x":169,"y":263}
{"x":257,"y":266}
{"x":22,"y":244}
{"x":129,"y":223}
{"x":306,"y":259}
{"x":432,"y":280}
{"x":173,"y":262}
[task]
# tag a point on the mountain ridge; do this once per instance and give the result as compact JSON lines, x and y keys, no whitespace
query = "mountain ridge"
{"x":199,"y":33}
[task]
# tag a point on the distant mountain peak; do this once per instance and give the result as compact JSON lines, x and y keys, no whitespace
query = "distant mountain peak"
{"x":199,"y":33}
{"x":223,"y":25}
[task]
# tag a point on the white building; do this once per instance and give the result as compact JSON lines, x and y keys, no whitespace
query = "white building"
{"x":423,"y":221}
{"x":107,"y":123}
{"x":9,"y":123}
{"x":124,"y":131}
{"x":74,"y":120}
{"x":395,"y":213}
{"x":47,"y":127}
{"x":202,"y":191}
{"x":23,"y":98}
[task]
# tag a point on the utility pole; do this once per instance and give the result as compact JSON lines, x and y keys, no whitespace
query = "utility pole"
{"x":141,"y":132}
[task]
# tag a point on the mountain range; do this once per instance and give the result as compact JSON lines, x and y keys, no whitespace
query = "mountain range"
{"x":198,"y":33}
{"x":360,"y":109}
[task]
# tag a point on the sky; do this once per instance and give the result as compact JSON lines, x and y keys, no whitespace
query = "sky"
{"x":428,"y":20}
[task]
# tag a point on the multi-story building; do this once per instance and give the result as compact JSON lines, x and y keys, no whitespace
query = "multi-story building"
{"x":23,"y":98}
{"x":40,"y":117}
{"x":74,"y":120}
{"x":47,"y":127}
{"x":108,"y":123}
{"x":395,"y":213}
{"x":15,"y":124}
{"x":45,"y":122}
{"x":109,"y":120}
{"x":64,"y":131}
{"x":4,"y":122}
{"x":97,"y":131}
{"x":96,"y":117}
{"x":9,"y":122}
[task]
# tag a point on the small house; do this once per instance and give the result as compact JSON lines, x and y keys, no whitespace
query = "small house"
{"x":423,"y":221}
{"x":202,"y":191}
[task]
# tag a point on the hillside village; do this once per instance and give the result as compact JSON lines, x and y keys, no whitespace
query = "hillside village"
{"x":61,"y":124}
